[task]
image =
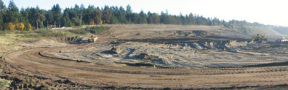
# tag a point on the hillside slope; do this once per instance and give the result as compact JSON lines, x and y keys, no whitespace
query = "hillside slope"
{"x":271,"y":32}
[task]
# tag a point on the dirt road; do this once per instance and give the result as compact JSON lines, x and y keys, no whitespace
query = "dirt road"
{"x":37,"y":63}
{"x":33,"y":63}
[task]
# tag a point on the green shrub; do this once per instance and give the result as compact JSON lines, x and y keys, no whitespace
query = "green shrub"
{"x":81,"y":32}
{"x":5,"y":32}
{"x":48,"y":33}
{"x":97,"y":29}
{"x":4,"y":84}
{"x":45,"y":33}
{"x":90,"y":30}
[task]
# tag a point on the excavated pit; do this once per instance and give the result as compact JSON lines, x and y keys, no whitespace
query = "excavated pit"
{"x":59,"y":67}
{"x":189,"y":53}
{"x":176,"y":48}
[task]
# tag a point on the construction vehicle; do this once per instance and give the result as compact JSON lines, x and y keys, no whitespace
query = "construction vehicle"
{"x":282,"y":40}
{"x":259,"y":38}
{"x":92,"y":39}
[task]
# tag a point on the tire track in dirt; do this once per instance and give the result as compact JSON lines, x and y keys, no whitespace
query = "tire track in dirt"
{"x":38,"y":63}
{"x":96,"y":75}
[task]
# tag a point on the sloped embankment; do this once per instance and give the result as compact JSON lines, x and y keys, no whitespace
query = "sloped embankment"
{"x":52,"y":42}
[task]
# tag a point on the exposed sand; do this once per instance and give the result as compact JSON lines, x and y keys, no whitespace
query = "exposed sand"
{"x":61,"y":67}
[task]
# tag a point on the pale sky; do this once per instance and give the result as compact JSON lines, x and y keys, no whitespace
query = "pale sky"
{"x":273,"y":12}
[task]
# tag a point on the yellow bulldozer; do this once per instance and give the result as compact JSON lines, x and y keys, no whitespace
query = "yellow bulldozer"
{"x":259,"y":38}
{"x":92,"y":39}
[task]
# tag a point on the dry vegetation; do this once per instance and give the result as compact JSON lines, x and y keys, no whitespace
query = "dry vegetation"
{"x":6,"y":45}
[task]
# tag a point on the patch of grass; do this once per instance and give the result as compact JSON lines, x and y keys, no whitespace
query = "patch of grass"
{"x":47,"y":33}
{"x":81,"y":32}
{"x":44,"y":33}
{"x":4,"y":83}
{"x":6,"y":43}
{"x":99,"y":30}
{"x":7,"y":37}
{"x":5,"y":32}
{"x":23,"y":32}
{"x":91,"y":30}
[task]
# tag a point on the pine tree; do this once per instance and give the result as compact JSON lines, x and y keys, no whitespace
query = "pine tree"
{"x":153,"y":18}
{"x":107,"y":13}
{"x":183,"y":19}
{"x":49,"y":18}
{"x":143,"y":18}
{"x":56,"y":10}
{"x":89,"y":14}
{"x":191,"y":20}
{"x":76,"y":15}
{"x":114,"y":20}
{"x":12,"y":13}
{"x":98,"y":16}
{"x":68,"y":16}
{"x":25,"y":15}
{"x":129,"y":13}
{"x":122,"y":15}
{"x":136,"y":19}
{"x":10,"y":17}
{"x":2,"y":13}
{"x":37,"y":17}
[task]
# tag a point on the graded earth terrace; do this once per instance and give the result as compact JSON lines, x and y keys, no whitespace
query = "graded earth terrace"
{"x":151,"y":57}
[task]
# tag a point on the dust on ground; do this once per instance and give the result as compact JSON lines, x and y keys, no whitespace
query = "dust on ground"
{"x":190,"y":47}
{"x":178,"y":46}
{"x":177,"y":55}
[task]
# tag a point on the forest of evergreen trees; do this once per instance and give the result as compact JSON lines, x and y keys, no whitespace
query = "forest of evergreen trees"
{"x":12,"y":18}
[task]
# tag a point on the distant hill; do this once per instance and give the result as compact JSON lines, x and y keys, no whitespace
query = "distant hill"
{"x":280,"y":29}
{"x":253,"y":30}
{"x":271,"y":32}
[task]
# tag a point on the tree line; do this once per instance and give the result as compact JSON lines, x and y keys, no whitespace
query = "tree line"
{"x":12,"y":18}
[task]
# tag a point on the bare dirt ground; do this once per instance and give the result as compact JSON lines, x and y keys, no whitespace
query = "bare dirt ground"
{"x":191,"y":65}
{"x":176,"y":55}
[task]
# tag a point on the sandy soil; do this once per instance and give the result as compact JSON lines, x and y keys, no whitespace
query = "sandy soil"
{"x":41,"y":43}
{"x":94,"y":69}
{"x":95,"y":75}
{"x":51,"y":42}
{"x":176,"y":55}
{"x":167,"y":31}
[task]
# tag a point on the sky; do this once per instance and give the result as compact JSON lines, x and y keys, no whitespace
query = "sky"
{"x":272,"y":12}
